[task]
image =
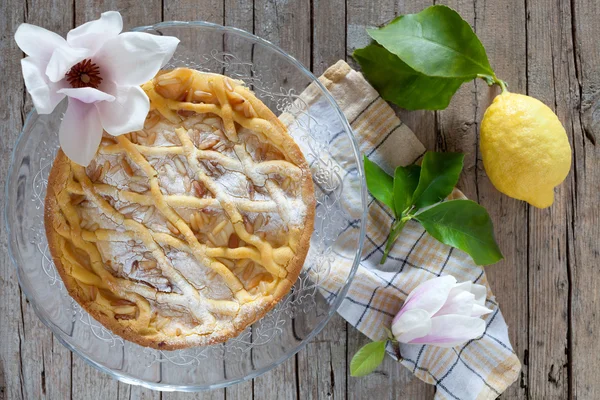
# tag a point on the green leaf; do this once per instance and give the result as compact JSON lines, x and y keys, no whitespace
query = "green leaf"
{"x":380,"y":184}
{"x":465,"y":225}
{"x":439,"y":175}
{"x":435,"y":42}
{"x":402,"y":85}
{"x":367,"y":358}
{"x":406,"y":180}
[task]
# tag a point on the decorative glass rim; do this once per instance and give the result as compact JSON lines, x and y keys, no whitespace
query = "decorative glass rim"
{"x":123,"y":377}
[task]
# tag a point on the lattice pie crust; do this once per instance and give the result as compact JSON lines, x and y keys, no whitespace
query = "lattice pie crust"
{"x":189,"y":230}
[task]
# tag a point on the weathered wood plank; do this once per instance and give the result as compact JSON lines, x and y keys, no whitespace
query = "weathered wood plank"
{"x":498,"y":26}
{"x":46,"y":365}
{"x":390,"y":380}
{"x":130,"y":392}
{"x":209,"y":395}
{"x":47,"y":373}
{"x":362,"y":14}
{"x":193,"y":10}
{"x":322,"y":365}
{"x":541,"y":57}
{"x":287,"y":24}
{"x":12,"y":13}
{"x":279,"y":383}
{"x":329,"y":34}
{"x":189,"y":10}
{"x":87,"y":381}
{"x":584,"y":217}
{"x":57,"y":369}
{"x":135,"y":13}
{"x":550,"y":77}
{"x":423,"y":123}
{"x":35,"y":367}
{"x":240,"y":14}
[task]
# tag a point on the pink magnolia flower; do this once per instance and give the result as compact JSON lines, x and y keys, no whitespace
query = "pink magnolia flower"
{"x":442,"y":313}
{"x":100,"y":71}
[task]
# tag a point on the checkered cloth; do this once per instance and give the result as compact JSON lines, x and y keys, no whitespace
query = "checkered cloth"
{"x":481,"y":368}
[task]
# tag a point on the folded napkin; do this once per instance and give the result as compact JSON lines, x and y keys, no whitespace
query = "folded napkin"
{"x":480,"y":369}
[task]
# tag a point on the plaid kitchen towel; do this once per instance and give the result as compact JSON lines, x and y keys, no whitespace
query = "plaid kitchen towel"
{"x":480,"y":369}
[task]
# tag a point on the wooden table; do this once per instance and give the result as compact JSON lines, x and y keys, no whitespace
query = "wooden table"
{"x":548,"y":284}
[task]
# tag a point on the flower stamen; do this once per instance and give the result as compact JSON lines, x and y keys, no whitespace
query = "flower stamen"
{"x":84,"y":74}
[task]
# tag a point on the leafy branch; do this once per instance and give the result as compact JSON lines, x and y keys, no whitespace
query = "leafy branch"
{"x":418,"y":61}
{"x":418,"y":193}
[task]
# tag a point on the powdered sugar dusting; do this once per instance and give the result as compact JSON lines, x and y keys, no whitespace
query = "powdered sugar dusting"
{"x":245,"y":173}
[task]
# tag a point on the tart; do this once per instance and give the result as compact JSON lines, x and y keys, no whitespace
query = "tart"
{"x":187,"y":231}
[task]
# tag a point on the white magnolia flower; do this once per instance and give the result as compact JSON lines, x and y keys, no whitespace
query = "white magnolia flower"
{"x":442,"y":312}
{"x":100,"y":71}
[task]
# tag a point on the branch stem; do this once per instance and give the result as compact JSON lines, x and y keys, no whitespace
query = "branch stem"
{"x":494,"y":80}
{"x":397,"y":227}
{"x":502,"y":85}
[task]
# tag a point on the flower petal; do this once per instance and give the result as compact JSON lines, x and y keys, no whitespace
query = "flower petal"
{"x":466,"y":298}
{"x":133,"y":58}
{"x":43,"y":92}
{"x":127,"y":113}
{"x":478,"y":310}
{"x":93,"y":34}
{"x":429,"y":295}
{"x":412,"y":324}
{"x":480,"y":293}
{"x":452,"y":330}
{"x":459,"y":302}
{"x":62,"y":59}
{"x":38,"y":42}
{"x":80,"y":132}
{"x":88,"y":95}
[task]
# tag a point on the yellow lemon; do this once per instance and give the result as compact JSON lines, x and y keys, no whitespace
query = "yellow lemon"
{"x":525,"y":149}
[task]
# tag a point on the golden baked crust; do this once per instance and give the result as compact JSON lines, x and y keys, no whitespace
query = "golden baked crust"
{"x":158,"y":239}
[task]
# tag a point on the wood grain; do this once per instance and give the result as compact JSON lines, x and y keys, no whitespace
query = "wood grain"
{"x":322,"y":365}
{"x":12,"y":328}
{"x":240,"y":14}
{"x":548,"y":285}
{"x":191,"y":10}
{"x":496,"y":24}
{"x":390,"y":380}
{"x":36,"y":365}
{"x":583,"y":215}
{"x":549,"y":79}
{"x":286,"y":24}
{"x":129,"y":392}
{"x":87,"y":381}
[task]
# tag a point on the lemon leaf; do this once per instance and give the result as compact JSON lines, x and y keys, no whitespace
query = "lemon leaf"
{"x":379,"y":183}
{"x":367,"y":358}
{"x":439,"y":175}
{"x":465,"y":225}
{"x":435,"y":42}
{"x":400,"y":84}
{"x":406,"y":180}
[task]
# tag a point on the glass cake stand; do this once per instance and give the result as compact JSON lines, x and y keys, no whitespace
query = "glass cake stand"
{"x":322,"y":132}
